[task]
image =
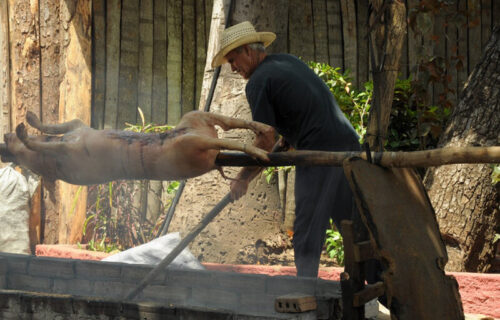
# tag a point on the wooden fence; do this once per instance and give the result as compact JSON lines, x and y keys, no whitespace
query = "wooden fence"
{"x":148,"y":54}
{"x":151,"y":54}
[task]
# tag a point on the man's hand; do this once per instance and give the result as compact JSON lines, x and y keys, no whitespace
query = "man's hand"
{"x":239,"y":185}
{"x":238,"y":188}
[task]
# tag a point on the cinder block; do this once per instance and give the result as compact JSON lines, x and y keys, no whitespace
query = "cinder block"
{"x":239,"y":282}
{"x":326,"y":288}
{"x":166,"y":294}
{"x":257,"y":303}
{"x":96,"y":270}
{"x":135,"y":273}
{"x":214,"y":298}
{"x":73,"y":286}
{"x":282,"y":285}
{"x":190,"y":278}
{"x":112,"y":289}
{"x":52,"y":267}
{"x":17,"y":263}
{"x":28,"y":283}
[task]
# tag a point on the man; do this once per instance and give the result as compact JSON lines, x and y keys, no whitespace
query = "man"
{"x":285,"y":93}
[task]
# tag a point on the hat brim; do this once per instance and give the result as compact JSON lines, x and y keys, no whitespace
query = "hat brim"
{"x":265,"y":37}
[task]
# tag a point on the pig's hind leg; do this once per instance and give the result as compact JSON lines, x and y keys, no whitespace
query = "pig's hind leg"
{"x":53,"y":148}
{"x":60,"y":128}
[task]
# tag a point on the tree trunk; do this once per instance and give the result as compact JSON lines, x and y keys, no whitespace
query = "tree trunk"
{"x":388,"y":24}
{"x":465,"y":201}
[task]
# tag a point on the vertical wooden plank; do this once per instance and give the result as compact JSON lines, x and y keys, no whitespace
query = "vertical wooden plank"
{"x":350,"y":37}
{"x":300,"y":26}
{"x":129,"y":63}
{"x":403,"y":66}
{"x":485,"y":23}
{"x":439,"y":44}
{"x":188,"y":56}
{"x":159,"y":107}
{"x":335,"y":47}
{"x":474,"y":41}
{"x":414,"y":43}
{"x":4,"y":70}
{"x":201,"y":49}
{"x":451,"y":54}
{"x":174,"y":60}
{"x":75,"y":102}
{"x":98,"y":63}
{"x":495,"y":12}
{"x":25,"y":59}
{"x":113,"y":21}
{"x":209,"y":6}
{"x":462,"y":48}
{"x":362,"y":34}
{"x":320,"y":31}
{"x":278,"y":23}
{"x":145,"y":58}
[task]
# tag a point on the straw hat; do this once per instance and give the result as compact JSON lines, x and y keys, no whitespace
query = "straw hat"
{"x":238,"y":35}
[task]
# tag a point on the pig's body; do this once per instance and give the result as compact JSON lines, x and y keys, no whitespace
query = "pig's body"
{"x":86,"y":156}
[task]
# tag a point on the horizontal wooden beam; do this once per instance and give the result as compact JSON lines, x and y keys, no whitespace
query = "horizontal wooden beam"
{"x":426,"y":158}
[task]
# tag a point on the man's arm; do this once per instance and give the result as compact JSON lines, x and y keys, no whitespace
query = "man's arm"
{"x":264,"y":140}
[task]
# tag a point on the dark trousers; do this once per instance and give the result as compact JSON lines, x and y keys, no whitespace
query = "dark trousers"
{"x":321,"y":193}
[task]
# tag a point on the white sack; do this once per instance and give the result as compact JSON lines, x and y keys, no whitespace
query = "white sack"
{"x":153,"y":252}
{"x":14,"y":212}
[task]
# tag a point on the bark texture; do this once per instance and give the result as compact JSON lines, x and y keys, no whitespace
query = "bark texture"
{"x":465,"y":201}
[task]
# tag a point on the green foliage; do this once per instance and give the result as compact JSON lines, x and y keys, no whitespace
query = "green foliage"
{"x":270,"y":171}
{"x":354,"y":103}
{"x":495,"y":175}
{"x":334,"y":244}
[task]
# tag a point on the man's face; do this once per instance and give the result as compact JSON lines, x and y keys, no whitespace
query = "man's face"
{"x":242,"y":61}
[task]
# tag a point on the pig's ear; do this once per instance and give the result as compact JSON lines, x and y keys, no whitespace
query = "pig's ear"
{"x":33,"y":120}
{"x":21,"y":132}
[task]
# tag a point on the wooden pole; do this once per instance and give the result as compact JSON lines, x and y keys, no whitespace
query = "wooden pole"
{"x":426,"y":158}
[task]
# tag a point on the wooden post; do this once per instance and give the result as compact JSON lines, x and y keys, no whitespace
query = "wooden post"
{"x":145,"y":78}
{"x":99,"y":54}
{"x":335,"y":51}
{"x":387,"y":39}
{"x":113,"y":21}
{"x":4,"y":70}
{"x":174,"y":61}
{"x":159,"y":100}
{"x":74,"y":102}
{"x":188,"y":91}
{"x":350,"y":38}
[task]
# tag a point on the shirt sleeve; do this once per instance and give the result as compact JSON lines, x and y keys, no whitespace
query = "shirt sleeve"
{"x":260,"y":104}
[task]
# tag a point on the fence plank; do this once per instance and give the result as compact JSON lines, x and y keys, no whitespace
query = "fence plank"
{"x":474,"y":43}
{"x":485,"y":23}
{"x":462,"y":49}
{"x":334,"y":20}
{"x":145,"y":80}
{"x":4,"y":70}
{"x":300,"y":24}
{"x":201,"y":49}
{"x":320,"y":31}
{"x":129,"y":63}
{"x":174,"y":60}
{"x":99,"y":63}
{"x":113,"y":21}
{"x":350,"y":37}
{"x":159,"y":106}
{"x":362,"y":33}
{"x":188,"y":56}
{"x":439,"y":51}
{"x":451,"y":54}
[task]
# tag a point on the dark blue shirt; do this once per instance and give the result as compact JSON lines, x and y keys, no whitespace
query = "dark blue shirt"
{"x":285,"y":93}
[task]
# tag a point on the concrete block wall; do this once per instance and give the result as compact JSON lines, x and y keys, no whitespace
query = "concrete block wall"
{"x":240,"y":293}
